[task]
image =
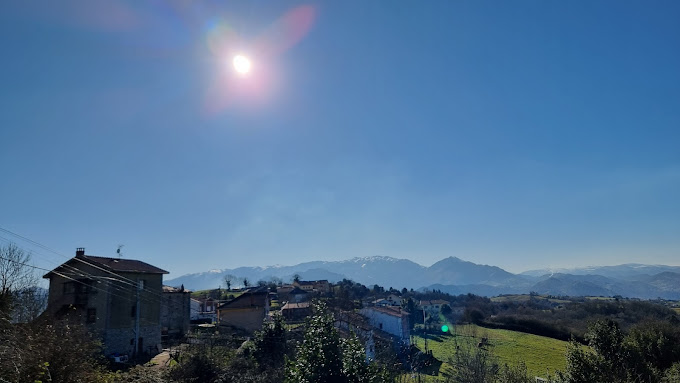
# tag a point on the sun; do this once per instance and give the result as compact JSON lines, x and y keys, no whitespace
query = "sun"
{"x":241,"y":64}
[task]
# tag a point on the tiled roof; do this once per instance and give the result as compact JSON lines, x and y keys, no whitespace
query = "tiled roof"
{"x":297,"y":291}
{"x":248,"y":299}
{"x":393,"y":311}
{"x":110,"y":264}
{"x":125,"y":265}
{"x":300,"y":305}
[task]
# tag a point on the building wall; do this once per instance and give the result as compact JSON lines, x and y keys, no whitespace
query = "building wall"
{"x":248,"y":318}
{"x":121,"y":340}
{"x":114,"y":305}
{"x":397,"y":326}
{"x":175,"y":313}
{"x":123,"y":302}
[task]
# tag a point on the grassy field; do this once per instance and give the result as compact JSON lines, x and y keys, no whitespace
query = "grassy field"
{"x":538,"y":352}
{"x":677,"y":309}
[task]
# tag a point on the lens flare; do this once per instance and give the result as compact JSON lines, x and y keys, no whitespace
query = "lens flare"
{"x":241,"y":64}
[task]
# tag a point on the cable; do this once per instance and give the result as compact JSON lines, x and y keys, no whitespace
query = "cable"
{"x":117,"y":277}
{"x":110,"y":283}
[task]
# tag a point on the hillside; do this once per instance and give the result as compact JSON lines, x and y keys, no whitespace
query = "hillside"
{"x":540,"y":353}
{"x":456,"y":276}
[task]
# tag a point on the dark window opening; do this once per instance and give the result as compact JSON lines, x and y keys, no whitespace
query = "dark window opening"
{"x":91,"y":315}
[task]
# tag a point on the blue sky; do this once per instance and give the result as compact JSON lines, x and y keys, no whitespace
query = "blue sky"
{"x":521,"y":134}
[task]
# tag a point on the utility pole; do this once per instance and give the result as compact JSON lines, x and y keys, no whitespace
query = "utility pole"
{"x":137,"y":309}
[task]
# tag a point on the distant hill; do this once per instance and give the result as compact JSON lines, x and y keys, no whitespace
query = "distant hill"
{"x":456,"y":276}
{"x":625,"y":271}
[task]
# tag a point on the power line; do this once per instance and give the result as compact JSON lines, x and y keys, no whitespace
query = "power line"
{"x":97,"y":278}
{"x":116,"y":276}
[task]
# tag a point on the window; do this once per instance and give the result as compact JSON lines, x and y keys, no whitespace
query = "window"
{"x":381,"y":326}
{"x":69,"y":288}
{"x":81,"y":286}
{"x":91,"y":315}
{"x":133,"y":311}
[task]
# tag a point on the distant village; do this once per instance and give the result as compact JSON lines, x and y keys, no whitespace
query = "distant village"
{"x":126,"y":304}
{"x":115,"y":314}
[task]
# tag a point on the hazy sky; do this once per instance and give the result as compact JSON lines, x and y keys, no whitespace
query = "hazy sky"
{"x":521,"y":134}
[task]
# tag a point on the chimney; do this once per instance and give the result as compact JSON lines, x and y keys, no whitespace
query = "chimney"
{"x":80,"y":252}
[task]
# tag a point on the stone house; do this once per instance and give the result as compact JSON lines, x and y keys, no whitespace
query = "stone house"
{"x":247,"y":311}
{"x":175,"y":312}
{"x":117,"y":299}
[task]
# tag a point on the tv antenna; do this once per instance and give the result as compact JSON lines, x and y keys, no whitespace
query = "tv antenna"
{"x":120,"y":255}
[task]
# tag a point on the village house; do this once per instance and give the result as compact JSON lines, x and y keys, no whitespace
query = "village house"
{"x":321,"y":286}
{"x":247,"y":311}
{"x":432,"y":307}
{"x":204,"y":310}
{"x":392,"y":320}
{"x":117,"y":299}
{"x":295,"y":312}
{"x":390,"y":300}
{"x":175,"y":312}
{"x":298,"y":295}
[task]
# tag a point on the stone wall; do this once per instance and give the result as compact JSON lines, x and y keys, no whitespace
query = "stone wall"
{"x":175,"y":313}
{"x":121,"y":341}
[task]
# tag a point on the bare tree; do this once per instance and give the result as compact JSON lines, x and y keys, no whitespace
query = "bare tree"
{"x":29,"y":303}
{"x":15,"y":276}
{"x":228,"y":280}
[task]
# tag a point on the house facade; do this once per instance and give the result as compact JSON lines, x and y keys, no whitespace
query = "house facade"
{"x":248,"y":311}
{"x":296,"y":312}
{"x":320,"y":286}
{"x":175,"y":312}
{"x":391,"y":320}
{"x":432,"y":307}
{"x":119,"y":300}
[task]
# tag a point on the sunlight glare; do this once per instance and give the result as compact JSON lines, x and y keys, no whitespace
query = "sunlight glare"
{"x":241,"y":64}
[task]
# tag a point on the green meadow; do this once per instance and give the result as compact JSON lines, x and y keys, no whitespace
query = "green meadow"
{"x":539,"y":353}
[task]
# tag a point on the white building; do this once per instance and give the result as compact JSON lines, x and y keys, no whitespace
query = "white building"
{"x":391,"y":320}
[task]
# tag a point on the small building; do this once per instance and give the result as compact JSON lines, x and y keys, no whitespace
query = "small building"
{"x":392,"y":320}
{"x":296,"y":312}
{"x":111,"y":297}
{"x":247,"y":311}
{"x":298,"y":295}
{"x":204,"y":310}
{"x":284,"y":290}
{"x":304,"y":285}
{"x":195,"y":309}
{"x":320,"y":286}
{"x":432,"y":307}
{"x":394,"y":299}
{"x":175,"y":312}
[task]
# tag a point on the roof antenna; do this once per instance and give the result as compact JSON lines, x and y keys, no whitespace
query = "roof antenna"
{"x":120,"y":255}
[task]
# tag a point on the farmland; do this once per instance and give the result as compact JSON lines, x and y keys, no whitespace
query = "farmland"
{"x":540,"y":353}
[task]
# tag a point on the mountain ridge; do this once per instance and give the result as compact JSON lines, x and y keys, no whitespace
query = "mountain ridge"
{"x":458,"y":276}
